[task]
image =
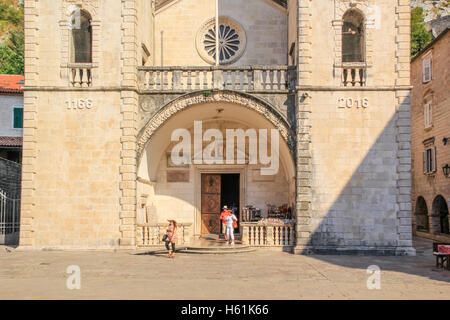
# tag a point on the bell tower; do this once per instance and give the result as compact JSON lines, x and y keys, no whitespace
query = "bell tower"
{"x":353,"y":127}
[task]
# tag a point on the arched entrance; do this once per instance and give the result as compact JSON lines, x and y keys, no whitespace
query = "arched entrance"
{"x":421,"y":214}
{"x":439,"y":216}
{"x":169,"y":190}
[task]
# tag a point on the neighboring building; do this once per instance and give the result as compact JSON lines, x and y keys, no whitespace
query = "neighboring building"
{"x":439,"y":25}
{"x":109,"y":82}
{"x":11,"y":117}
{"x":430,"y":118}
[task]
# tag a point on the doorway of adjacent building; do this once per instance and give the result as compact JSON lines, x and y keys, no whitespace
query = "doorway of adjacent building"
{"x":217,"y":191}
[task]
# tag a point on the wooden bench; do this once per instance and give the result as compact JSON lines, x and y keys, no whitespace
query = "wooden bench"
{"x":442,"y":259}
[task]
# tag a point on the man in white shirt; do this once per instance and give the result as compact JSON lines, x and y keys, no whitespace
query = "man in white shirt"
{"x":230,"y":219}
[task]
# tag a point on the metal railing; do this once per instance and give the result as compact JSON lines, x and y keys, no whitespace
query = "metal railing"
{"x":256,"y":78}
{"x":9,"y":219}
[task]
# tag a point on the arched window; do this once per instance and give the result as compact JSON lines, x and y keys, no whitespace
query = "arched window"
{"x":421,"y":213}
{"x":353,"y":40}
{"x":440,"y":217}
{"x":81,"y":40}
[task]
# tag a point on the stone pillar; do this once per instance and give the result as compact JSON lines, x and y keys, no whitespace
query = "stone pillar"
{"x":29,"y":152}
{"x":129,"y":107}
{"x":304,"y":165}
{"x":403,"y":128}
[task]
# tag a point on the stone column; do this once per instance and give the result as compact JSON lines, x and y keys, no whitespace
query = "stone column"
{"x":303,"y":126}
{"x":403,"y":128}
{"x":29,"y":152}
{"x":129,"y":107}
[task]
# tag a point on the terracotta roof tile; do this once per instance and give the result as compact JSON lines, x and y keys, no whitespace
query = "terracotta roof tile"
{"x":11,"y":141}
{"x":11,"y":83}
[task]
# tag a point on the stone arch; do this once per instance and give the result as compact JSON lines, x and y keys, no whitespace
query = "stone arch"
{"x":421,"y":215}
{"x":369,"y":13}
{"x":353,"y":36}
{"x":68,"y":8}
{"x":439,"y":215}
{"x":199,"y":97}
{"x":81,"y":38}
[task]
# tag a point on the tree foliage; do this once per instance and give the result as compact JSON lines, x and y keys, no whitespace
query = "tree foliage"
{"x":420,"y":37}
{"x":11,"y":37}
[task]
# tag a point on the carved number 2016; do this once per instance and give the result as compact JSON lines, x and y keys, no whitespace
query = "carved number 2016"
{"x":79,"y":104}
{"x":350,"y":103}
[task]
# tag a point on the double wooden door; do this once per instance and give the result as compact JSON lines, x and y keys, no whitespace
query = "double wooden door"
{"x":211,"y":189}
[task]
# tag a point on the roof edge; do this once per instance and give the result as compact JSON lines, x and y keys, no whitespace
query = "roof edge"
{"x":432,"y":43}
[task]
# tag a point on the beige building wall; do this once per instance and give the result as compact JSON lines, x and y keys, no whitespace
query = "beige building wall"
{"x":73,"y":137}
{"x":177,"y":24}
{"x":77,"y":173}
{"x":292,"y":8}
{"x":265,"y":24}
{"x":431,"y":185}
{"x":353,"y":172}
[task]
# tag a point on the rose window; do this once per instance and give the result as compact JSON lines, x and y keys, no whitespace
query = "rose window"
{"x":231,"y":41}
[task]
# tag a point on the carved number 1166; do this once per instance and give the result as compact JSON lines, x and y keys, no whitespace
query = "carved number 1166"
{"x":79,"y":104}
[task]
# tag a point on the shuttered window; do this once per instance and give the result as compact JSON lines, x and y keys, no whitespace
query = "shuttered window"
{"x":18,"y":118}
{"x":428,"y":114}
{"x":426,"y":70}
{"x":429,"y":160}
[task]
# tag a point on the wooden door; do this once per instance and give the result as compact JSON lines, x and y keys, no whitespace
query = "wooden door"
{"x":210,"y":203}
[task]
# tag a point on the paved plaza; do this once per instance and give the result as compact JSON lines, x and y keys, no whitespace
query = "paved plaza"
{"x":255,"y":275}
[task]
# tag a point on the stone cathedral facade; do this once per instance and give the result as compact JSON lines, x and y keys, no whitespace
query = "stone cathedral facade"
{"x":109,"y":81}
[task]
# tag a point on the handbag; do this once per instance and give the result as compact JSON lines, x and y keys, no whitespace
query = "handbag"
{"x":235,"y":224}
{"x":164,"y":238}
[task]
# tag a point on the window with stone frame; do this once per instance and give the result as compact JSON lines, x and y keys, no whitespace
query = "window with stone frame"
{"x":429,"y":160}
{"x":81,"y":37}
{"x":353,"y":37}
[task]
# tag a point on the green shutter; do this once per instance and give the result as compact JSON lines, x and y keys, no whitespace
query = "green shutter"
{"x":18,"y":117}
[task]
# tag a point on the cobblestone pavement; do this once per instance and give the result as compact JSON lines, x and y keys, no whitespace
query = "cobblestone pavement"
{"x":256,"y":275}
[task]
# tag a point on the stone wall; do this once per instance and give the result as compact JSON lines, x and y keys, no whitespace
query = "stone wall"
{"x":177,"y":24}
{"x":10,"y":177}
{"x":353,"y":165}
{"x":431,"y":185}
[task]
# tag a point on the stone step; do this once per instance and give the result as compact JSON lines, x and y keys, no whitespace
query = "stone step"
{"x":198,"y":250}
{"x":217,"y":251}
{"x":218,"y":248}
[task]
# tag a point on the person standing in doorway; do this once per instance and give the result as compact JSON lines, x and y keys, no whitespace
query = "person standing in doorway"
{"x":231,"y":222}
{"x":171,"y":238}
{"x":223,"y":216}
